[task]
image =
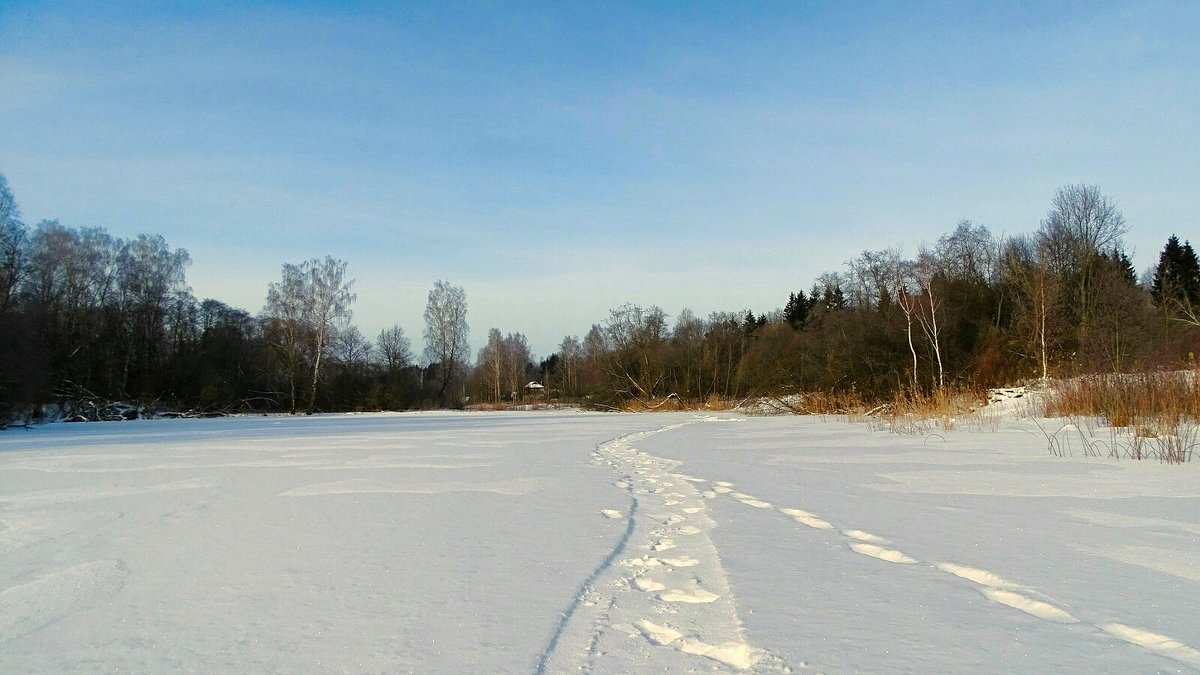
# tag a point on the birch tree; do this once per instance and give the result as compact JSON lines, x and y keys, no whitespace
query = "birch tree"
{"x":907,"y":299}
{"x":926,"y":272}
{"x":304,"y":310}
{"x":446,"y":333}
{"x":328,"y":299}
{"x":287,"y":328}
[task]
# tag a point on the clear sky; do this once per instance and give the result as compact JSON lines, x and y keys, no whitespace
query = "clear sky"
{"x":559,"y":159}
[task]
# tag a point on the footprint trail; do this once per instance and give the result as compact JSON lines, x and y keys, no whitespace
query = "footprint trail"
{"x":994,"y":587}
{"x":666,"y":588}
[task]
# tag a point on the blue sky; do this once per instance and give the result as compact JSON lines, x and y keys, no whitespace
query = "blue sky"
{"x":559,"y":159}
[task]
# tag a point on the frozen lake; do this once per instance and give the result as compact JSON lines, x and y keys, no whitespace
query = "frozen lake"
{"x":561,"y":541}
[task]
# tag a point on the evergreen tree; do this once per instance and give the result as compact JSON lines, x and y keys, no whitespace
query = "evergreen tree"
{"x":1121,"y":262}
{"x":751,"y":323}
{"x":1177,"y":276}
{"x":833,"y":298}
{"x":796,"y":310}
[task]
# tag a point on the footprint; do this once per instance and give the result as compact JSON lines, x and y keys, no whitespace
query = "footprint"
{"x":699,"y":596}
{"x":693,"y":509}
{"x":882,"y":553}
{"x":981,"y":577}
{"x":611,"y":513}
{"x":722,"y":489}
{"x":806,"y":518}
{"x":682,"y":561}
{"x":756,"y":503}
{"x":648,"y":585}
{"x":664,"y":545}
{"x":1041,"y":610}
{"x":1154,"y":642}
{"x":865,"y":536}
{"x":737,"y":655}
{"x":688,"y":530}
{"x":659,"y":635}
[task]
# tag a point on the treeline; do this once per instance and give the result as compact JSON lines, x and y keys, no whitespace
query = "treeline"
{"x":95,"y":326}
{"x":969,"y":312}
{"x":89,"y":321}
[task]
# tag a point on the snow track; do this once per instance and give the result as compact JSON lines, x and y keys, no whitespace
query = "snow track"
{"x":587,"y":585}
{"x":994,"y":587}
{"x":685,"y":603}
{"x":646,"y":601}
{"x":490,"y":543}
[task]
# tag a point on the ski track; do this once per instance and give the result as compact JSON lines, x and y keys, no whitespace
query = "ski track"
{"x":994,"y":587}
{"x":680,"y":602}
{"x":580,"y":595}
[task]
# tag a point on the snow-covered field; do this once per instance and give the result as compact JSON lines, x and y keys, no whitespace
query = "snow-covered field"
{"x":562,"y":542}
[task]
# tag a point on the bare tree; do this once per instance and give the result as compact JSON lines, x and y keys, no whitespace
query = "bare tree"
{"x":687,"y":338}
{"x":1081,"y":224}
{"x":1027,"y":269}
{"x":926,"y":271}
{"x":150,"y":276}
{"x":516,"y":360}
{"x":305,"y":310}
{"x":287,"y":326}
{"x":871,"y":278}
{"x":636,"y":336}
{"x":490,"y":365}
{"x":571,"y":355}
{"x":446,"y":333}
{"x":328,"y":309}
{"x":394,"y":348}
{"x":353,"y":349}
{"x":13,"y":247}
{"x":907,"y":295}
{"x":968,"y":253}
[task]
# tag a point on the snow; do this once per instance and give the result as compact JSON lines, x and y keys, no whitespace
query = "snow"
{"x":562,"y":541}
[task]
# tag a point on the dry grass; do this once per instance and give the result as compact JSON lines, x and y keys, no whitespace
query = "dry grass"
{"x":1149,"y":403}
{"x":832,"y":403}
{"x":669,"y":403}
{"x":918,"y":412}
{"x":717,"y":402}
{"x":1159,"y":410}
{"x":491,"y":406}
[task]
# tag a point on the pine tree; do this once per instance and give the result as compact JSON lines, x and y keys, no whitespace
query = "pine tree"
{"x":796,"y":310}
{"x":833,"y":298}
{"x":1177,"y":276}
{"x":1121,"y":262}
{"x":750,"y":323}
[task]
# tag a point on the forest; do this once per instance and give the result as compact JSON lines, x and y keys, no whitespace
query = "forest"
{"x":93,"y":326}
